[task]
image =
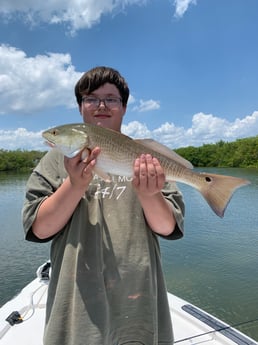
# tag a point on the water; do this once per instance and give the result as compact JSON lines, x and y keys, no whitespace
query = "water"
{"x":215,"y":266}
{"x":19,"y":259}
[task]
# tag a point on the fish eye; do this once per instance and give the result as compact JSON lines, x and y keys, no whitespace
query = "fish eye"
{"x":208,"y":179}
{"x":55,"y":132}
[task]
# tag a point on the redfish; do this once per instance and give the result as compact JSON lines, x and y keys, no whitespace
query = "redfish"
{"x":118,"y":153}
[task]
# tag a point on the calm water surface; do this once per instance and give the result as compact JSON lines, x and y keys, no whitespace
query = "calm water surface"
{"x":215,"y":265}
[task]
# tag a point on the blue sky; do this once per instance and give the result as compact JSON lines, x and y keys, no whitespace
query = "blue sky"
{"x":191,"y":65}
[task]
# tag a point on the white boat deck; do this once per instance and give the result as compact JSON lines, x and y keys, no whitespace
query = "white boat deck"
{"x":31,"y":304}
{"x":191,"y":325}
{"x":194,"y":326}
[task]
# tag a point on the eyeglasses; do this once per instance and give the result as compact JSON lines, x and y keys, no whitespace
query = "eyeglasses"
{"x":94,"y":102}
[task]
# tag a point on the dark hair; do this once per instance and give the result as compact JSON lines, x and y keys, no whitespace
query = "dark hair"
{"x":97,"y":77}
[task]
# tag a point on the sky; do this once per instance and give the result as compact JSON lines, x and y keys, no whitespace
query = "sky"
{"x":191,"y":66}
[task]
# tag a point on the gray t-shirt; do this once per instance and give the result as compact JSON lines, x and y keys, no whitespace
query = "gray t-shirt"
{"x":107,"y":285}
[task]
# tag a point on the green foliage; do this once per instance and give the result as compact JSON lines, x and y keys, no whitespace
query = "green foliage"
{"x":19,"y":160}
{"x":241,"y":153}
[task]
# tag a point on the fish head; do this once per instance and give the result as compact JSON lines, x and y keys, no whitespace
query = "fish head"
{"x":69,"y":139}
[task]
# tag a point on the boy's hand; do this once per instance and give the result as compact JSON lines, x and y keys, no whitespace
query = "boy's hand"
{"x":80,"y":168}
{"x":149,"y":177}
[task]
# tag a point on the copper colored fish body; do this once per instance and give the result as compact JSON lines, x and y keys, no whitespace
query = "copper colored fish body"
{"x":119,"y":151}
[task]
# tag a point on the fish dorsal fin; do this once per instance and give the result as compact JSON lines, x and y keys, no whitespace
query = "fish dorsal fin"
{"x":165,"y":151}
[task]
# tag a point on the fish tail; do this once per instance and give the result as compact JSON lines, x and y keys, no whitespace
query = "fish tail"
{"x":218,"y":190}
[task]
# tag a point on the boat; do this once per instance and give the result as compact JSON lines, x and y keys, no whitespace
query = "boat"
{"x":22,"y":319}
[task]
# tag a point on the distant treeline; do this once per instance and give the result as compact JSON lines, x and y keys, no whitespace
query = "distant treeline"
{"x":242,"y":153}
{"x":19,"y":160}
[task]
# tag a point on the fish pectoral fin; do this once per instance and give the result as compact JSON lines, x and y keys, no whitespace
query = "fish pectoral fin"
{"x":102,"y":174}
{"x":165,"y":151}
{"x":71,"y":154}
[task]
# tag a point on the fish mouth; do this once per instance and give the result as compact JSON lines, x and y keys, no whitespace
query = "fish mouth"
{"x":50,"y":143}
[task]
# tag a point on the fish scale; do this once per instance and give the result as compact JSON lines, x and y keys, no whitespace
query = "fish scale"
{"x":112,"y":150}
{"x":118,"y":153}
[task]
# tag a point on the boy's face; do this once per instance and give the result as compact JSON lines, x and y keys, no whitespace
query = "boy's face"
{"x":108,"y":114}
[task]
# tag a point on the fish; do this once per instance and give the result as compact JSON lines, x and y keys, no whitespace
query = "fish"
{"x":119,"y":151}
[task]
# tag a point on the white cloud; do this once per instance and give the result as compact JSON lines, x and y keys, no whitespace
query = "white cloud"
{"x":146,"y":105}
{"x":169,"y":134}
{"x":131,"y":99}
{"x":181,"y":6}
{"x":247,"y":126}
{"x":136,"y":129}
{"x":211,"y":128}
{"x":32,"y":84}
{"x":21,"y":138}
{"x":206,"y":128}
{"x":77,"y":14}
{"x":29,"y":84}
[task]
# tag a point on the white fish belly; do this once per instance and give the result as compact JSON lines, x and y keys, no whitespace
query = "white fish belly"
{"x":122,"y":167}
